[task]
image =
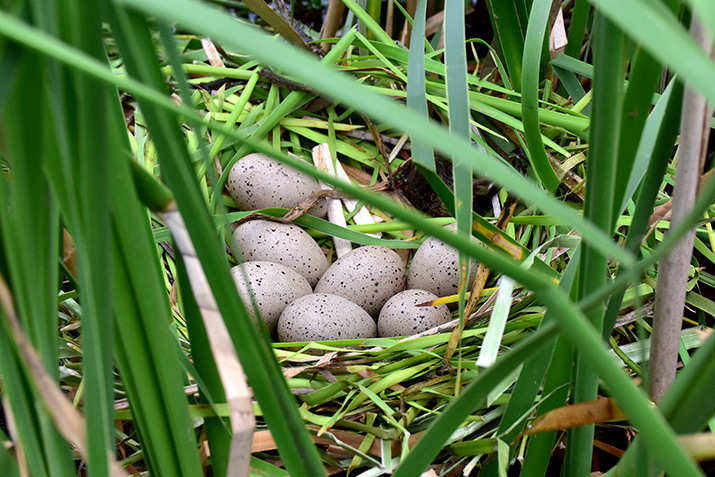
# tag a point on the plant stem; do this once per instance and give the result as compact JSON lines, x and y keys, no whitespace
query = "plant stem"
{"x":673,"y":273}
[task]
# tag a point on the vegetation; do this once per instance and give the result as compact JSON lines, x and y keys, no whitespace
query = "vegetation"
{"x":121,"y":119}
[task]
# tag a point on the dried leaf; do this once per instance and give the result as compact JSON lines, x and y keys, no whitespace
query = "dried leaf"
{"x":574,"y":415}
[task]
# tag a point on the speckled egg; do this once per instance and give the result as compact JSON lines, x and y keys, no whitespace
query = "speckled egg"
{"x":367,"y":276}
{"x":258,"y":181}
{"x":435,"y":268}
{"x":273,"y":286}
{"x":321,"y":317}
{"x":286,"y":244}
{"x":401,"y":317}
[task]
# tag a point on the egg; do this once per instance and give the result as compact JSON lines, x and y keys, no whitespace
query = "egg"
{"x":435,"y":268}
{"x":272,"y":285}
{"x":367,"y":276}
{"x":258,"y":181}
{"x":286,"y":244}
{"x":401,"y":317}
{"x":321,"y":317}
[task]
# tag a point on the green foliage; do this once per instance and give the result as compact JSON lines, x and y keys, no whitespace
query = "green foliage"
{"x":92,"y":143}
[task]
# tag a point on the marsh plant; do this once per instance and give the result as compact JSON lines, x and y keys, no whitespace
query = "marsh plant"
{"x":570,"y":140}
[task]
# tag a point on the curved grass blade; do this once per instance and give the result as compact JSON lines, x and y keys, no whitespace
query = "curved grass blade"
{"x":535,"y":32}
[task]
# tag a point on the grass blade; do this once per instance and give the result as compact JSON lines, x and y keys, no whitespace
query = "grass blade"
{"x":457,"y":97}
{"x":535,"y":32}
{"x":497,"y":321}
{"x":577,"y":28}
{"x":459,"y":408}
{"x":657,"y":30}
{"x":421,"y":153}
{"x":601,"y":163}
{"x":508,"y":20}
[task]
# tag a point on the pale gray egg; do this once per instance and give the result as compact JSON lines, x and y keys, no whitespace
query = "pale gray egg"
{"x":401,"y":317}
{"x":435,"y":268}
{"x":367,"y":276}
{"x":286,"y":244}
{"x":258,"y":181}
{"x":273,"y":286}
{"x":322,"y":317}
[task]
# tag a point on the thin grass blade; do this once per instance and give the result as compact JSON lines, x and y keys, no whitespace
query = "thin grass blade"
{"x":421,"y":153}
{"x":535,"y":32}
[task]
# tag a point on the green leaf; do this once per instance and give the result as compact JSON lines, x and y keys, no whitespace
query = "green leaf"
{"x":535,"y":32}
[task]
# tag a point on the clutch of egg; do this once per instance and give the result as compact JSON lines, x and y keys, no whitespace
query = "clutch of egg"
{"x":285,"y":277}
{"x":361,"y":295}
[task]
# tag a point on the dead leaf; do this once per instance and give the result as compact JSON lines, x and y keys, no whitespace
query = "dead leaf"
{"x":575,"y":415}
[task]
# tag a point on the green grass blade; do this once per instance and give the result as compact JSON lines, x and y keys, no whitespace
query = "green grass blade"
{"x":601,"y":163}
{"x":29,"y":237}
{"x":372,"y":8}
{"x":91,"y":224}
{"x":644,"y":76}
{"x":547,"y":367}
{"x":530,"y":93}
{"x":421,"y":153}
{"x":652,"y":131}
{"x":577,"y":27}
{"x":573,"y":87}
{"x":154,"y":384}
{"x":508,"y":23}
{"x":662,"y":146}
{"x":687,"y":404}
{"x":462,"y":406}
{"x":657,"y":30}
{"x":540,"y":446}
{"x":365,"y":19}
{"x":217,"y":428}
{"x":457,"y":97}
{"x":140,"y":376}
